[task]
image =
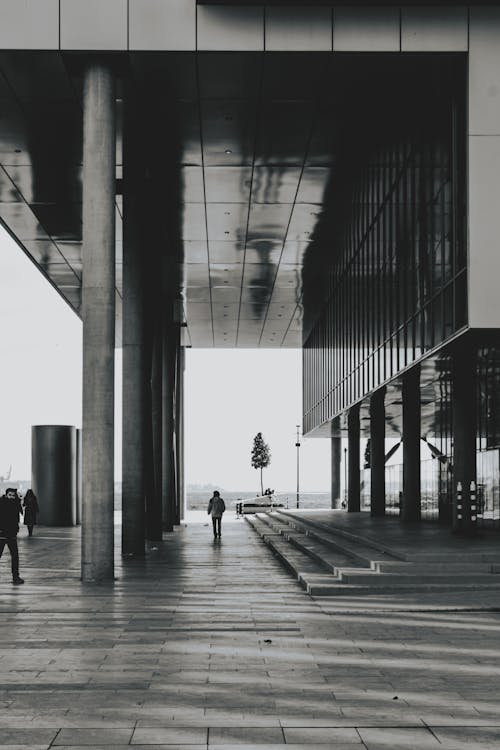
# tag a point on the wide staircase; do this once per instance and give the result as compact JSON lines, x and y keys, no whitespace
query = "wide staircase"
{"x":335,"y":562}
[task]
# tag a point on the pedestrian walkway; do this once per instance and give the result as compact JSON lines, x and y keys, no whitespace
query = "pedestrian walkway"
{"x":213,"y":644}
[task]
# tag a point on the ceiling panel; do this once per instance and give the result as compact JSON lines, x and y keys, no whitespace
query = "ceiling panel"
{"x":269,"y":221}
{"x":313,"y":184}
{"x":226,"y":273}
{"x":228,"y":128}
{"x":275,"y":184}
{"x":225,"y":311}
{"x":227,"y":221}
{"x":285,"y":137}
{"x":252,"y":311}
{"x":228,"y":184}
{"x":192,"y":189}
{"x":226,"y":252}
{"x":193,"y":222}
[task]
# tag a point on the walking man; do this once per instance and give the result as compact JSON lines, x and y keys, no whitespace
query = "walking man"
{"x":216,"y":508}
{"x":10,"y":509}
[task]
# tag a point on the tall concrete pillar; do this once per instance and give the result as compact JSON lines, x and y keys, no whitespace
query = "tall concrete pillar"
{"x":98,"y":313}
{"x":336,"y":451}
{"x":377,"y":453}
{"x":154,"y":506}
{"x":134,"y":344}
{"x":410,"y":509}
{"x":79,"y":492}
{"x":179,"y":433}
{"x":182,"y":483}
{"x":464,"y":438}
{"x":168,"y":427}
{"x":354,"y":492}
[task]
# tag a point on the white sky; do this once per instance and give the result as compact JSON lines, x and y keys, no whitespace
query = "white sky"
{"x":230,"y":395}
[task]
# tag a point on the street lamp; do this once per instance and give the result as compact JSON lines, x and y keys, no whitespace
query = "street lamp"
{"x":297,"y":445}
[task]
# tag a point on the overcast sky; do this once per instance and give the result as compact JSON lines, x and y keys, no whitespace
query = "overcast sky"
{"x":230,"y":395}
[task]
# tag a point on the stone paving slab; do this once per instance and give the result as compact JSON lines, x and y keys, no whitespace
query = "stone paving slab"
{"x":205,"y":645}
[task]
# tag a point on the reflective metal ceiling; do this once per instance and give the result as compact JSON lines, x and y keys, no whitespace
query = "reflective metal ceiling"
{"x":243,"y":148}
{"x":253,"y":152}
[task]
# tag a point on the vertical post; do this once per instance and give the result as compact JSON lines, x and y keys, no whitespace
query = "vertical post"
{"x":464,"y":440}
{"x":297,"y":445}
{"x":154,"y":507}
{"x":180,"y":432}
{"x":335,"y":483}
{"x":354,"y":493}
{"x":98,"y":313}
{"x":377,"y":453}
{"x":134,"y":359}
{"x":410,"y":510}
{"x":168,"y":447}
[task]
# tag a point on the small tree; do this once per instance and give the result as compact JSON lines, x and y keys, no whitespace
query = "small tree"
{"x":261,"y":456}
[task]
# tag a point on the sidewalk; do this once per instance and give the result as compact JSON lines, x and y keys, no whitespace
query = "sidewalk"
{"x":214,"y":644}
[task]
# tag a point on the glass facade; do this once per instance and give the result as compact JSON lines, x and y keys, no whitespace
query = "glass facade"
{"x":398,"y":270}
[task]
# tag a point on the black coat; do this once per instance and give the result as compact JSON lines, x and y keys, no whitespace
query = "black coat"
{"x":9,"y":516}
{"x":30,"y":510}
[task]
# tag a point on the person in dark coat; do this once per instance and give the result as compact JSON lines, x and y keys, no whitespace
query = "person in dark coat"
{"x":10,"y":510}
{"x":216,"y":508}
{"x":30,"y":510}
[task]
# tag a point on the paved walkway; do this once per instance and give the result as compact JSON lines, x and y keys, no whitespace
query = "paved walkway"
{"x":215,"y":644}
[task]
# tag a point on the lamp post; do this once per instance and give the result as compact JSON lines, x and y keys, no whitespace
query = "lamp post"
{"x":297,"y":445}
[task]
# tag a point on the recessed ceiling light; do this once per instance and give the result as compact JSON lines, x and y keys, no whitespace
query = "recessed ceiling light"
{"x":228,"y":151}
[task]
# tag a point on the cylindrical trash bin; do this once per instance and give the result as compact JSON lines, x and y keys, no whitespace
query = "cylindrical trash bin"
{"x":53,"y":473}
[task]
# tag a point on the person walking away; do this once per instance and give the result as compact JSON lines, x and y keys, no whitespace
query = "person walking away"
{"x":30,"y":510}
{"x":10,"y":510}
{"x":216,"y":508}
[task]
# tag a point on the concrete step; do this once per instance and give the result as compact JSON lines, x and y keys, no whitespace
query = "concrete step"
{"x":313,"y":546}
{"x":296,"y":561}
{"x":321,"y":586}
{"x":373,"y":578}
{"x":353,"y":549}
{"x":356,"y":540}
{"x":438,"y":567}
{"x":324,"y":570}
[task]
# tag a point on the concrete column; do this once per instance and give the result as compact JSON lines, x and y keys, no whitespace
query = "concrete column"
{"x":179,"y":437}
{"x":98,"y":313}
{"x":336,"y":451}
{"x":79,"y":492}
{"x":410,"y":509}
{"x":377,"y":453}
{"x":168,"y":425}
{"x":353,"y":496}
{"x":182,"y":482}
{"x":134,"y":345}
{"x":464,"y":437}
{"x":154,"y":507}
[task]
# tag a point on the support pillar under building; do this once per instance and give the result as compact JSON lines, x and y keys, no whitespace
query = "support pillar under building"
{"x":134,"y":345}
{"x":179,"y":433}
{"x":354,"y":493}
{"x":336,"y":452}
{"x":98,"y":314}
{"x":377,"y":453}
{"x":411,"y":504}
{"x":168,"y":426}
{"x":464,"y":518}
{"x":154,"y":501}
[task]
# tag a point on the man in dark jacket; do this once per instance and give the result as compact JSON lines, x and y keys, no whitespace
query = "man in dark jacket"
{"x":10,"y":508}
